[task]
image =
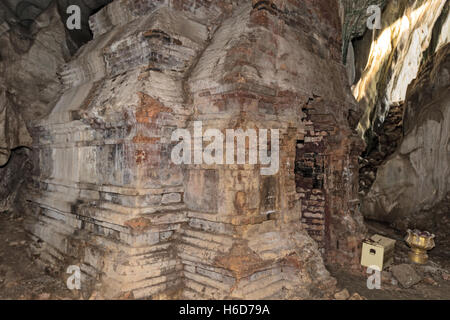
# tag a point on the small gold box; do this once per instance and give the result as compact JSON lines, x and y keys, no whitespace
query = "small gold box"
{"x":377,"y":251}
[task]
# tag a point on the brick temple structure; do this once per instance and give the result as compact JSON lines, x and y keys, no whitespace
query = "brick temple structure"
{"x":107,"y":197}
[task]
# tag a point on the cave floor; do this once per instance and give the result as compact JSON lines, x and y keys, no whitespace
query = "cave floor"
{"x":22,"y":278}
{"x":435,"y":281}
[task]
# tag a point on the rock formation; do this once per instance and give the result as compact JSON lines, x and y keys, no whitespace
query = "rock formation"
{"x":411,"y":189}
{"x":394,"y":58}
{"x":404,"y":170}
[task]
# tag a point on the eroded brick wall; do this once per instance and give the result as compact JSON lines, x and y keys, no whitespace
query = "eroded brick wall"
{"x":107,"y":196}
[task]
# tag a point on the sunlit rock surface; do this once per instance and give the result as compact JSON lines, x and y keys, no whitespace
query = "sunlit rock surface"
{"x":394,"y":57}
{"x":412,"y":188}
{"x":386,"y":62}
{"x":404,"y":170}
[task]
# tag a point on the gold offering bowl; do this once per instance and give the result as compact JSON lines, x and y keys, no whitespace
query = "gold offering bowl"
{"x":420,"y":242}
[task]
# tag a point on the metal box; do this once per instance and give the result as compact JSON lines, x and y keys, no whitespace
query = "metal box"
{"x":377,"y":251}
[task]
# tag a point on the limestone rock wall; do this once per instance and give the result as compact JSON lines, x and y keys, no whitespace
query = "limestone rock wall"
{"x":30,"y":61}
{"x":412,"y":187}
{"x":394,"y":58}
{"x":12,"y":177}
{"x":24,"y":14}
{"x":354,"y":16}
{"x":400,"y":182}
{"x":14,"y":133}
{"x":29,"y":87}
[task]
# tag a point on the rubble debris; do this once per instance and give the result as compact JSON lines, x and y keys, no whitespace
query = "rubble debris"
{"x":430,"y":280}
{"x":342,"y":295}
{"x":406,"y":275}
{"x":44,"y":296}
{"x":357,"y":296}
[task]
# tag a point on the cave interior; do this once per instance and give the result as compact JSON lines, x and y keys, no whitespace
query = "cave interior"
{"x":349,"y":104}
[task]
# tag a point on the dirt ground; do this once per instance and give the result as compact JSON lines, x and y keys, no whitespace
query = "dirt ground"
{"x":22,"y":278}
{"x":435,"y":283}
